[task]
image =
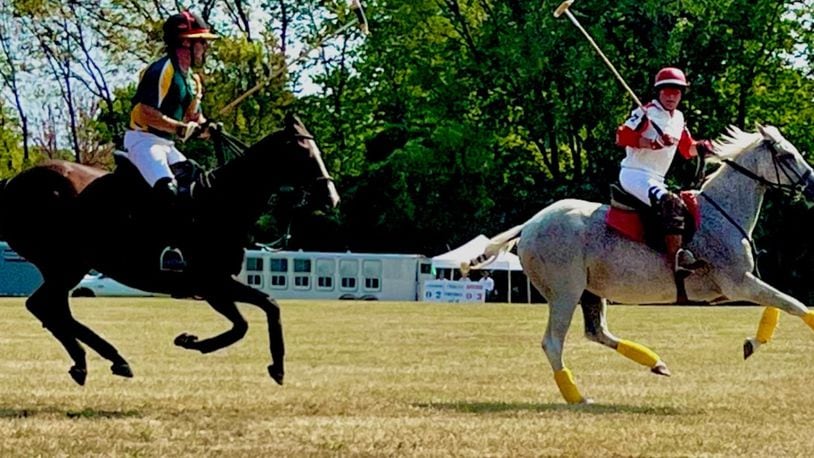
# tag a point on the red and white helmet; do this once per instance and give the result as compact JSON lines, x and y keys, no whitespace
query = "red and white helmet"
{"x":670,"y":76}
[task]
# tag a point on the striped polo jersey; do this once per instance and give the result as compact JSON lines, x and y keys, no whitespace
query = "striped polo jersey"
{"x":164,"y":87}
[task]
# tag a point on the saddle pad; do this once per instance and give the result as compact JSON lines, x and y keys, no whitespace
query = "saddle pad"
{"x":626,"y":222}
{"x":629,"y":224}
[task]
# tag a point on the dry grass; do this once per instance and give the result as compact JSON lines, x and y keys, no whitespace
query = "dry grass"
{"x":385,"y":379}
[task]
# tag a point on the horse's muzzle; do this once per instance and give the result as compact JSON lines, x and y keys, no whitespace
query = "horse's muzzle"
{"x":333,"y":195}
{"x":808,"y":191}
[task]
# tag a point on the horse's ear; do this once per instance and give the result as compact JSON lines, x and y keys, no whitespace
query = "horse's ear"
{"x":770,"y":133}
{"x":291,"y":120}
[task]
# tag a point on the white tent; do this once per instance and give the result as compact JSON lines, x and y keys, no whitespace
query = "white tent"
{"x":474,"y":248}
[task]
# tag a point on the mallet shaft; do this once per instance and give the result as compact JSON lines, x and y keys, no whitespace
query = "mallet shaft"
{"x":605,"y":59}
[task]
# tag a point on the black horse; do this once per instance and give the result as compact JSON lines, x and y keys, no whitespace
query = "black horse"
{"x":67,"y":218}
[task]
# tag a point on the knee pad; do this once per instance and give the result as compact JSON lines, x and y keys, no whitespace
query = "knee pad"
{"x":671,"y":209}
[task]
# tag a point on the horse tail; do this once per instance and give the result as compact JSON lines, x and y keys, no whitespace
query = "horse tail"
{"x":502,"y":242}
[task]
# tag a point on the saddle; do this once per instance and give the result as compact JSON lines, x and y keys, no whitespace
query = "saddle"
{"x":189,"y":175}
{"x":137,"y":199}
{"x":642,"y":223}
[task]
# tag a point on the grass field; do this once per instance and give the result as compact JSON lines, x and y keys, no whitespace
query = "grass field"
{"x":406,"y":379}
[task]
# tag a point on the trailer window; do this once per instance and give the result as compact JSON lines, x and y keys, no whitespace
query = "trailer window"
{"x":302,"y":273}
{"x":326,"y":268}
{"x":254,"y":264}
{"x":348,"y":272}
{"x":279,"y":273}
{"x":372,"y":272}
{"x":426,"y":268}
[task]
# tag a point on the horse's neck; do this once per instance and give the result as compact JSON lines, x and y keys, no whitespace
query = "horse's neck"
{"x":739,"y":196}
{"x":245,"y":184}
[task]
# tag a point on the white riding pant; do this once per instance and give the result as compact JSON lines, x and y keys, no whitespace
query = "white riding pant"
{"x":639,"y":183}
{"x":152,"y":155}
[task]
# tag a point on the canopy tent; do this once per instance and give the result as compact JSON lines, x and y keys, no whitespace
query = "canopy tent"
{"x":473,"y":249}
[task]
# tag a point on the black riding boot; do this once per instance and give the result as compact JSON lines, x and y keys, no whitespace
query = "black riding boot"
{"x":172,"y":260}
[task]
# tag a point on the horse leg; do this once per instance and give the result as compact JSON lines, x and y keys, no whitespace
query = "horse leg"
{"x":756,"y":290}
{"x":50,"y":305}
{"x":228,"y":309}
{"x":238,"y":292}
{"x":765,"y":331}
{"x":86,"y":335}
{"x":249,"y":295}
{"x":596,"y":330}
{"x":561,"y":311}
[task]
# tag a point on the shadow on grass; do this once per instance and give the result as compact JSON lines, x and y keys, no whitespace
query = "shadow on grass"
{"x":93,"y":414}
{"x":499,"y":407}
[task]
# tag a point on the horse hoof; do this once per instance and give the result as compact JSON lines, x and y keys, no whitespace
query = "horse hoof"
{"x":276,"y":374}
{"x":749,"y":348}
{"x":78,"y":374}
{"x":122,"y":370}
{"x":586,"y":401}
{"x":661,"y":369}
{"x":185,"y":340}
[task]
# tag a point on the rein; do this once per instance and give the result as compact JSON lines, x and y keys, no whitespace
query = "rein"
{"x":788,"y":189}
{"x":779,"y":166}
{"x":732,"y":221}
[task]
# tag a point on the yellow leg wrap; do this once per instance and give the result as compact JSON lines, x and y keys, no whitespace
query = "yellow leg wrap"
{"x":569,"y":390}
{"x":809,"y":319}
{"x":638,"y":353}
{"x":768,"y":323}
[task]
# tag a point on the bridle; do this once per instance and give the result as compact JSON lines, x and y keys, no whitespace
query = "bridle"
{"x":781,"y":165}
{"x":226,"y":143}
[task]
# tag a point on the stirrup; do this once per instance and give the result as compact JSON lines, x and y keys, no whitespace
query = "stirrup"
{"x":172,"y":260}
{"x":686,"y":262}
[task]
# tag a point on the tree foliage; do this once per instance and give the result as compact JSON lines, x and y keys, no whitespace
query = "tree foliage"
{"x":457,"y":117}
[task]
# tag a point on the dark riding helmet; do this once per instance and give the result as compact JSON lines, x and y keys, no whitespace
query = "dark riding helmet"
{"x":186,"y":25}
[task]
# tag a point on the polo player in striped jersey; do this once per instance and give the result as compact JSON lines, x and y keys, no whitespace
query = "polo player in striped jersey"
{"x":167,"y":107}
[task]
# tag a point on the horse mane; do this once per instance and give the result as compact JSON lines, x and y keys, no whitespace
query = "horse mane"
{"x":734,"y":142}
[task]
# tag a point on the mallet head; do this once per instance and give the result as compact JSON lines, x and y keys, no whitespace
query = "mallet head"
{"x":563,"y":8}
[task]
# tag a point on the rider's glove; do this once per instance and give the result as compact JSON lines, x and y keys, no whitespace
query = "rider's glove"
{"x":667,"y":140}
{"x":187,"y":130}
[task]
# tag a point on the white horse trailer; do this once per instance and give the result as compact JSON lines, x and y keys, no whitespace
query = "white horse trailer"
{"x":319,"y":275}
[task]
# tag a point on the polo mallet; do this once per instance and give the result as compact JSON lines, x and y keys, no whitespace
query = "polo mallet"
{"x":360,"y":22}
{"x":563,"y":8}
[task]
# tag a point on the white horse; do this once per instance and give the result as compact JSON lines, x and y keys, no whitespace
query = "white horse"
{"x":570,"y":254}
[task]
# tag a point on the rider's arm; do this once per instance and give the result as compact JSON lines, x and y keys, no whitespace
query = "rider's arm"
{"x":686,"y":145}
{"x":158,"y":120}
{"x":690,"y":148}
{"x":631,"y":132}
{"x":193,"y":111}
